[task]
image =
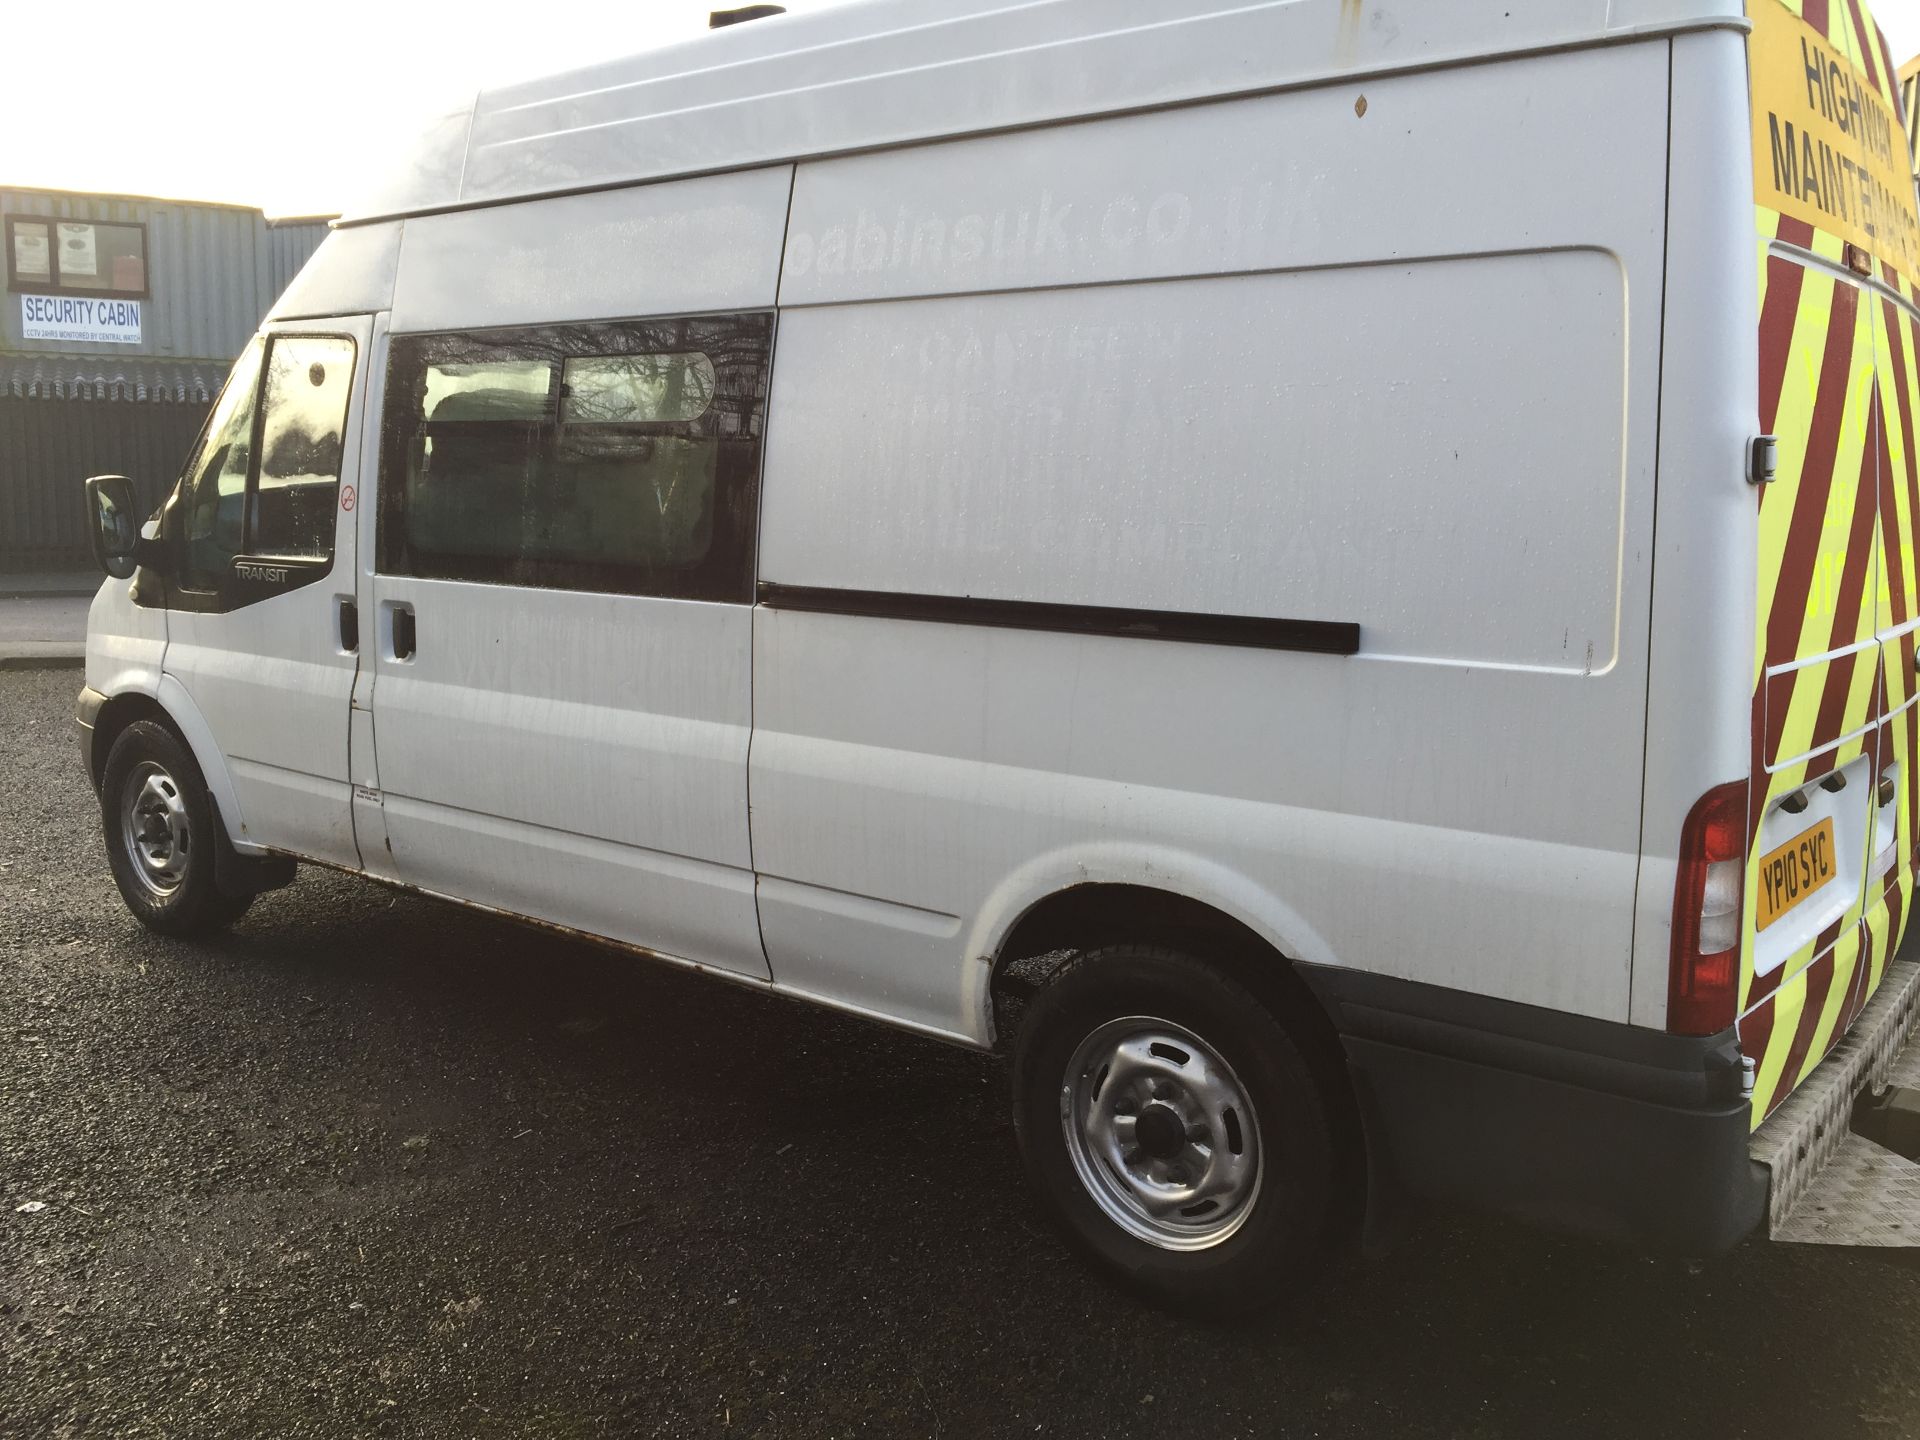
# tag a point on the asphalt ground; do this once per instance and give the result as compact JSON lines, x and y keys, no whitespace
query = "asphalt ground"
{"x":373,"y":1165}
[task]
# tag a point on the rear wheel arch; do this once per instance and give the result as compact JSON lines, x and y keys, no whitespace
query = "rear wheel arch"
{"x":1083,"y":918}
{"x":1254,"y":1175}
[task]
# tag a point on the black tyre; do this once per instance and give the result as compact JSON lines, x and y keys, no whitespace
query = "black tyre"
{"x":162,"y":832}
{"x":1177,"y":1129}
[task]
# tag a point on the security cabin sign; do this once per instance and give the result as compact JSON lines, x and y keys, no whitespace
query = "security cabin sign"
{"x":63,"y":317}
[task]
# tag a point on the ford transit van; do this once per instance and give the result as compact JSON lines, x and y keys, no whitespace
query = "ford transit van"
{"x":1338,"y":579}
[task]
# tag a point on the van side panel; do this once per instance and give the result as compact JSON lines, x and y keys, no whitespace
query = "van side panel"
{"x":706,"y":244}
{"x":351,"y":273}
{"x":1700,"y":685}
{"x":1196,"y":418}
{"x":126,"y":643}
{"x":840,"y":80}
{"x":1402,"y":388}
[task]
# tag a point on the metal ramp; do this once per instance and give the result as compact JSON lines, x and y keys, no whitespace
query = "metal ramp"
{"x":1832,"y":1180}
{"x":1867,"y":1195}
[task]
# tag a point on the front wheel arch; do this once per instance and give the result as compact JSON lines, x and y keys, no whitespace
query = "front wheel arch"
{"x":170,"y":706}
{"x":116,"y":715}
{"x":163,"y":835}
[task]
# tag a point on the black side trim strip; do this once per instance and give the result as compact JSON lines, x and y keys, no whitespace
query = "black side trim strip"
{"x":1323,"y":637}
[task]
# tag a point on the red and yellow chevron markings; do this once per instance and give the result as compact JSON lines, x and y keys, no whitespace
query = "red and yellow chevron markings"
{"x":1839,"y":597}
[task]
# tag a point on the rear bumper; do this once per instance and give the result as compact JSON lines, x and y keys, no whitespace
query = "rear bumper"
{"x":86,"y":711}
{"x":1559,"y":1120}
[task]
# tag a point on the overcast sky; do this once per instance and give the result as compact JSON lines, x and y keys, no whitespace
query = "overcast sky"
{"x":284,"y":104}
{"x":279,"y":103}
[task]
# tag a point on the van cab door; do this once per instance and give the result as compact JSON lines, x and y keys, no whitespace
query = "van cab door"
{"x":262,"y":629}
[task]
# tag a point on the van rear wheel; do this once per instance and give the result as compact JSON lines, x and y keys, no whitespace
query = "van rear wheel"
{"x":1176,"y":1129}
{"x":161,"y":834}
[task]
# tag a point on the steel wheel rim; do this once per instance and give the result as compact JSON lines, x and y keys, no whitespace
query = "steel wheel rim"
{"x":154,"y":829}
{"x":1129,"y":1085}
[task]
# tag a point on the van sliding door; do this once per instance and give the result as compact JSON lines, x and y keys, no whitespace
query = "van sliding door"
{"x":561,"y":628}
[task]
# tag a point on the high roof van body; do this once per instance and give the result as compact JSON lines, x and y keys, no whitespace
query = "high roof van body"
{"x":1338,"y":578}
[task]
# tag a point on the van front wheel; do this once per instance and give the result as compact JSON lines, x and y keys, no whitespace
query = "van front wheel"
{"x":160,"y":832}
{"x":1176,"y":1129}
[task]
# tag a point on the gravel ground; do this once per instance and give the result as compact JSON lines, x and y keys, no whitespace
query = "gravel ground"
{"x":373,"y":1166}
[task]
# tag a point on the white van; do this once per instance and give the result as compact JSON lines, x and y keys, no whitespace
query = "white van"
{"x":1304,"y":567}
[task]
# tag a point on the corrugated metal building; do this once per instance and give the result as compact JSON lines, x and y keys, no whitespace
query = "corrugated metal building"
{"x":122,"y":316}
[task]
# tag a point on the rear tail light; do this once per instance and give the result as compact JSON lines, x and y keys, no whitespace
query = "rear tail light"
{"x":1708,"y":893}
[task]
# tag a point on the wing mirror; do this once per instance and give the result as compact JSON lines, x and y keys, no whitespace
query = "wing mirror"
{"x":113,"y":526}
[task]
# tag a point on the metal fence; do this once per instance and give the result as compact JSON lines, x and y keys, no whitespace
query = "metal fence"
{"x":47,"y":447}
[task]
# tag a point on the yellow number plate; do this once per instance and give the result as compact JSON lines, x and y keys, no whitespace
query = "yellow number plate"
{"x":1793,"y":872}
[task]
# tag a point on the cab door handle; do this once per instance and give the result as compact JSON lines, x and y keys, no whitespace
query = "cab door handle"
{"x":346,"y":617}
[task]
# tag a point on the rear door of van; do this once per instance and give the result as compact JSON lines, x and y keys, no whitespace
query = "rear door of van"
{"x":1830,"y":855}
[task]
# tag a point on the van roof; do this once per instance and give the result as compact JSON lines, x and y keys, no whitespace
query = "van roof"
{"x":891,"y":72}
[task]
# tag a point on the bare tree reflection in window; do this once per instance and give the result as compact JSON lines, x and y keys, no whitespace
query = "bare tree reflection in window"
{"x":636,"y":389}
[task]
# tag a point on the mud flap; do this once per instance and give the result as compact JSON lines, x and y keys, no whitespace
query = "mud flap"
{"x":1830,"y":1184}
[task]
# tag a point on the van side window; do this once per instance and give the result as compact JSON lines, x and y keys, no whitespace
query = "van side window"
{"x":309,"y":379}
{"x":621,"y":458}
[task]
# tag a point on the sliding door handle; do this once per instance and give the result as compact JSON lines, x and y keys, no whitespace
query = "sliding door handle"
{"x":346,"y":621}
{"x":397,"y":629}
